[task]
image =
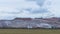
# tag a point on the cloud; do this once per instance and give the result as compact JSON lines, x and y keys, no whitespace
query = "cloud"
{"x":40,"y":2}
{"x":41,"y":10}
{"x":10,"y":9}
{"x":55,"y":7}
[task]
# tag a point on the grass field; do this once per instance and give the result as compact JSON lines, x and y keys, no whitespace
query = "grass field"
{"x":29,"y":31}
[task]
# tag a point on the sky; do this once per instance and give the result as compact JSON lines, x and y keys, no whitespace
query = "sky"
{"x":10,"y":9}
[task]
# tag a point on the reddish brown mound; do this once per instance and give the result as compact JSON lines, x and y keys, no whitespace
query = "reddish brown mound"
{"x":23,"y":19}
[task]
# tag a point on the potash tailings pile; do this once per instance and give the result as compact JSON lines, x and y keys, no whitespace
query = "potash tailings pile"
{"x":31,"y":23}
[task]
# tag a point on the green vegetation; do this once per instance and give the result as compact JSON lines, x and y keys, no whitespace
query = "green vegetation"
{"x":29,"y":31}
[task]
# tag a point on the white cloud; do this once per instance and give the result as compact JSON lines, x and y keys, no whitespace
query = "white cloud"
{"x":10,"y":9}
{"x":55,"y":7}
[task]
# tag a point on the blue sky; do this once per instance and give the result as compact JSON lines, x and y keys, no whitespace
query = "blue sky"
{"x":10,"y":9}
